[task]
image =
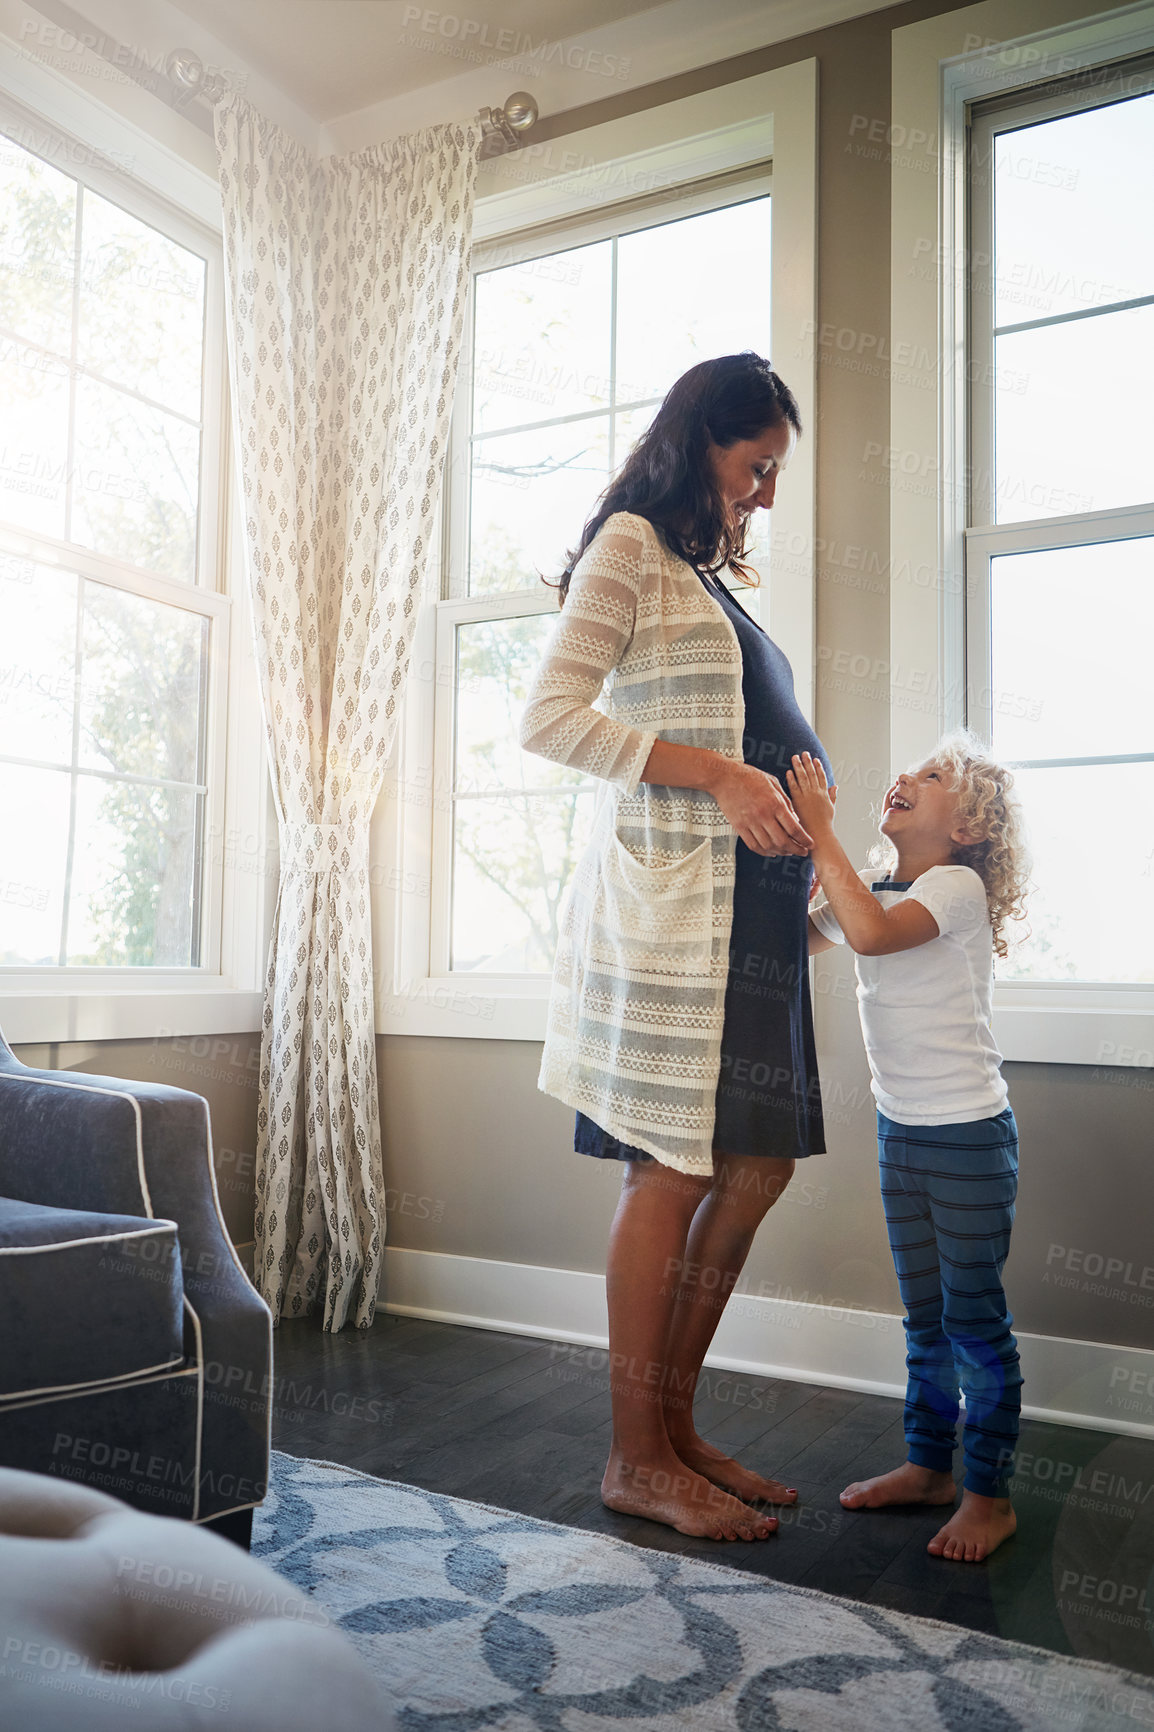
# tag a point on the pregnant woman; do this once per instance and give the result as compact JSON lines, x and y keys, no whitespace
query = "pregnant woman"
{"x":679,"y":1021}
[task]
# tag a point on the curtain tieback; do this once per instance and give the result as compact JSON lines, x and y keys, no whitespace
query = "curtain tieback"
{"x":319,"y":847}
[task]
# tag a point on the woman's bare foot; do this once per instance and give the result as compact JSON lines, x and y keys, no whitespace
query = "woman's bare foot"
{"x":975,"y":1530}
{"x":666,"y":1491}
{"x":721,"y":1469}
{"x":906,"y":1484}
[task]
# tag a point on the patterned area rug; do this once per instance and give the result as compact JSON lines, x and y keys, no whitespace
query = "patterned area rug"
{"x":477,"y":1617}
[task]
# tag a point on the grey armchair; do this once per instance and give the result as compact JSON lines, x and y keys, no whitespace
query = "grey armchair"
{"x":135,"y":1355}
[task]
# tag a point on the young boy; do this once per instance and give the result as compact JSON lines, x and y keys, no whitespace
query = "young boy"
{"x":925,"y":935}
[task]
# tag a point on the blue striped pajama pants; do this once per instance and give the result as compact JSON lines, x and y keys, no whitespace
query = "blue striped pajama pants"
{"x":949,"y":1193}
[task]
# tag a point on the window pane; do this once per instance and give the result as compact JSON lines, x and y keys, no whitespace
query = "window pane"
{"x":541,"y":343}
{"x":134,"y":875}
{"x":690,"y":290}
{"x":141,"y":307}
{"x":512,"y":859}
{"x":99,"y":311}
{"x":1070,"y":230}
{"x":33,"y":851}
{"x":1072,"y":630}
{"x":496,"y":662}
{"x":136,"y":481}
{"x":512,"y":853}
{"x":34,"y":448}
{"x":531,"y":494}
{"x":140,"y":708}
{"x":37,"y":249}
{"x":1074,"y":935}
{"x":124,"y":478}
{"x":37,"y":661}
{"x":1056,"y":454}
{"x":135,"y":871}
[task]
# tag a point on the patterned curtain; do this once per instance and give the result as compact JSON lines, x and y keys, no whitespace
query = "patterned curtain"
{"x":346,"y":286}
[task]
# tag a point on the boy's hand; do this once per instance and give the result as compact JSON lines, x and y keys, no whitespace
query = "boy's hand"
{"x":812,"y":796}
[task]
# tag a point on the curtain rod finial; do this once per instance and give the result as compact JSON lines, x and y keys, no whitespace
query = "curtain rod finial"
{"x":513,"y":120}
{"x":189,"y":78}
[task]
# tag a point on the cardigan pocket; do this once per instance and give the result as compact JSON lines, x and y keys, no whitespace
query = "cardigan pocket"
{"x":654,"y":920}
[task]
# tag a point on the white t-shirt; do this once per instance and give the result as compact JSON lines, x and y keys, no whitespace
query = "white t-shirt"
{"x":925,"y":1012}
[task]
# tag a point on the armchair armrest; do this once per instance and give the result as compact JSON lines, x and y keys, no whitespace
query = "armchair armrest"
{"x":76,"y":1141}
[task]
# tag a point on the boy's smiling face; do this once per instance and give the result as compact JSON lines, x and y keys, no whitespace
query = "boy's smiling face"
{"x":921,"y":810}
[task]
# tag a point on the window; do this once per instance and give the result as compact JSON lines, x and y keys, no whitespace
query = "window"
{"x":476,"y":647}
{"x":1060,"y":548}
{"x":573,"y":347}
{"x":113,"y":660}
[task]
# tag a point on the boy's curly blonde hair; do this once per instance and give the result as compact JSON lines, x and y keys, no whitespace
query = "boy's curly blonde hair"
{"x":988,"y":809}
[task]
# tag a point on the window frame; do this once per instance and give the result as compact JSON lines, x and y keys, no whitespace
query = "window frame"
{"x":984,"y":539}
{"x":222,"y":994}
{"x":709,"y":159}
{"x":944,"y":68}
{"x":478,"y":610}
{"x":457,"y":607}
{"x":696,"y":198}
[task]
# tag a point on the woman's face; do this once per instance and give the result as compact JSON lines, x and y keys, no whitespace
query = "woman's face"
{"x":746,"y":473}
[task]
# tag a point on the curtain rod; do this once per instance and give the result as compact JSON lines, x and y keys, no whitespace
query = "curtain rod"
{"x":189,"y":79}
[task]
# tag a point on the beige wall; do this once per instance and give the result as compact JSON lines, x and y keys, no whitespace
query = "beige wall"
{"x":479,"y":1164}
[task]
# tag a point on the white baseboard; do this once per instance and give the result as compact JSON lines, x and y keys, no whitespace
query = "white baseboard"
{"x":1082,"y":1383}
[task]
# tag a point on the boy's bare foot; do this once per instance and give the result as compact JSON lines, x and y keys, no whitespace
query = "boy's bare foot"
{"x":975,"y":1530}
{"x":721,"y":1469}
{"x":666,"y":1491}
{"x":906,"y":1484}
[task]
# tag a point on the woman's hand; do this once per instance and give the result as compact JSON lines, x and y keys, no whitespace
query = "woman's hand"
{"x":812,"y":796}
{"x":758,"y":810}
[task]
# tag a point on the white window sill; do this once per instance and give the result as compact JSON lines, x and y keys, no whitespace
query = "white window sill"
{"x":33,"y":1015}
{"x":467,"y":1007}
{"x":1112,"y":1028}
{"x":1032,"y":1025}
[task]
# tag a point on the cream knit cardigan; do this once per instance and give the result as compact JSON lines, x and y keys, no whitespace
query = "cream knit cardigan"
{"x":638,"y":998}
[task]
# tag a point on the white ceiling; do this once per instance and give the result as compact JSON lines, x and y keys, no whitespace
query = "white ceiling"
{"x":332,"y":57}
{"x":344,"y":74}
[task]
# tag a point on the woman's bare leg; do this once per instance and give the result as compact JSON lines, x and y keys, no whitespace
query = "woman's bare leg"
{"x":644,"y":1475}
{"x":744,"y":1189}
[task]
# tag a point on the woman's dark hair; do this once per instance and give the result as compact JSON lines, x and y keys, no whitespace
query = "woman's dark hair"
{"x":667,"y":476}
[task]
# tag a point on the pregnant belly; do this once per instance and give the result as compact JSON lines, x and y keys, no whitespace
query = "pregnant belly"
{"x":775,"y":756}
{"x":789,"y":876}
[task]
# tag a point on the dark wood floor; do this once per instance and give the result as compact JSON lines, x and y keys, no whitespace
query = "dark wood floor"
{"x":524,"y":1424}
